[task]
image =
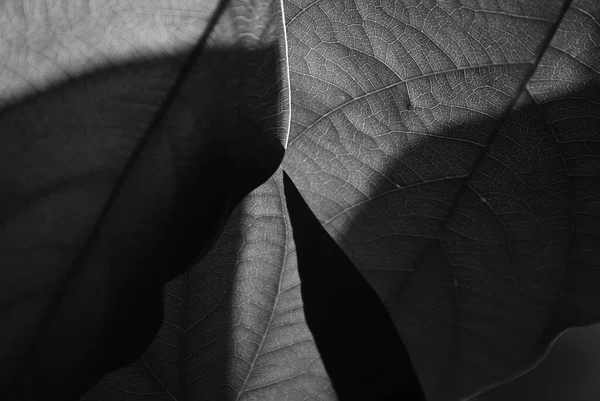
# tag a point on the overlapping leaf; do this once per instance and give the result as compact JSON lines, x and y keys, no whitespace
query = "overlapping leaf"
{"x":234,"y":324}
{"x":453,"y":150}
{"x":112,"y":179}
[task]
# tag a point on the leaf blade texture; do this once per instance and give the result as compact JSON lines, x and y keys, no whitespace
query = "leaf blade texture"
{"x":108,"y":175}
{"x":451,"y":149}
{"x":234,"y":323}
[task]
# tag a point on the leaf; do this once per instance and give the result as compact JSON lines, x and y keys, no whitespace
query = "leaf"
{"x":234,"y":323}
{"x":117,"y":175}
{"x":44,"y":44}
{"x":355,"y":336}
{"x":275,"y":279}
{"x":452,"y":150}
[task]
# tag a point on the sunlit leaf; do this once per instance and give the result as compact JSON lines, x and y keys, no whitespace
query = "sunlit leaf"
{"x":452,"y":149}
{"x":114,"y":178}
{"x":234,"y":323}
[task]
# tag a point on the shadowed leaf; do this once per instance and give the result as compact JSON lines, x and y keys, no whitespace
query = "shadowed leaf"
{"x":114,"y":180}
{"x":452,"y":150}
{"x":234,"y":323}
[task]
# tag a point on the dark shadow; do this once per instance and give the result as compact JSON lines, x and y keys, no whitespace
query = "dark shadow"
{"x":469,"y":264}
{"x":355,"y":336}
{"x":188,"y":358}
{"x":221,"y":140}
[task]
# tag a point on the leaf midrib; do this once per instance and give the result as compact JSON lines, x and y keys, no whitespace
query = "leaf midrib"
{"x":277,"y":298}
{"x":466,"y":183}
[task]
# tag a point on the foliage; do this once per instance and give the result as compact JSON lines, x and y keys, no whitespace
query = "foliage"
{"x":188,"y":189}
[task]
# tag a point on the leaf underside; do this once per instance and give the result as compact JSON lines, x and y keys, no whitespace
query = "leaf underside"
{"x":452,"y":150}
{"x":108,"y":184}
{"x":234,"y":325}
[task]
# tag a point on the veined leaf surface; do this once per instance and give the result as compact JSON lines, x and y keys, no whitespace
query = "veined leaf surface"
{"x":234,"y":323}
{"x":123,"y":150}
{"x":452,"y":148}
